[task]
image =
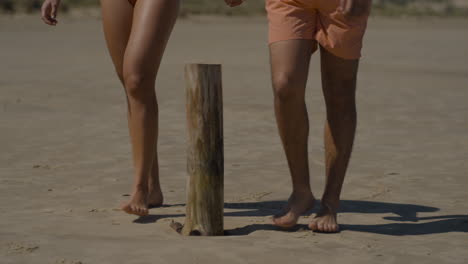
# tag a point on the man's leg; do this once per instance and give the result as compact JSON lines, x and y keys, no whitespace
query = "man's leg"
{"x":290,"y":67}
{"x":339,"y":89}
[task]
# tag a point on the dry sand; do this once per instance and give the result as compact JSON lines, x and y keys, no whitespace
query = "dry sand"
{"x":65,"y":156}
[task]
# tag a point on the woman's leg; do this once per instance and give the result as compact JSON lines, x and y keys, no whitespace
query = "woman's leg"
{"x":117,"y":16}
{"x":151,"y":26}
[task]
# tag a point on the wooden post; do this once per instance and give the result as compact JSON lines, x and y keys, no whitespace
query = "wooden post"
{"x":205,"y":151}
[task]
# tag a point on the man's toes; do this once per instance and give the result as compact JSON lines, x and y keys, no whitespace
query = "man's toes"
{"x":325,"y":228}
{"x":284,"y":221}
{"x":321,"y":227}
{"x":274,"y":221}
{"x":313,"y":225}
{"x":279,"y":221}
{"x":331,"y":228}
{"x":336,"y":228}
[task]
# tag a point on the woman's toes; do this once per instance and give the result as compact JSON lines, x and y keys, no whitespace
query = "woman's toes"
{"x":141,"y":211}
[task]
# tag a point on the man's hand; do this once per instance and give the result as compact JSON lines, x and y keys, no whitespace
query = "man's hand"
{"x":233,"y":3}
{"x":355,"y":8}
{"x":49,"y":11}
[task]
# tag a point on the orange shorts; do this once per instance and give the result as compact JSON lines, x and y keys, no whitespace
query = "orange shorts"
{"x":320,"y":20}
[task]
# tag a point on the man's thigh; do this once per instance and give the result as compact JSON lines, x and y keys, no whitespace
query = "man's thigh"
{"x":339,"y":77}
{"x":290,"y":62}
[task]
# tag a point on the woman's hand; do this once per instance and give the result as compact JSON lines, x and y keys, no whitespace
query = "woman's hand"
{"x":355,"y":8}
{"x":49,"y":11}
{"x":233,"y":3}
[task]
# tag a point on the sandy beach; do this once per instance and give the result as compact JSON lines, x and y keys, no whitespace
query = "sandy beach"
{"x":65,"y":156}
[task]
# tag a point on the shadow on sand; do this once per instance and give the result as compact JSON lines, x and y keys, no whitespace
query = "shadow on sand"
{"x":406,"y":220}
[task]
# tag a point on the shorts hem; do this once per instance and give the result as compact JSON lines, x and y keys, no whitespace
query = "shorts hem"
{"x":271,"y":41}
{"x":338,"y":54}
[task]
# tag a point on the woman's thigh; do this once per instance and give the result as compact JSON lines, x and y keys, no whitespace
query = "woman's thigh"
{"x":117,"y":16}
{"x":152,"y":25}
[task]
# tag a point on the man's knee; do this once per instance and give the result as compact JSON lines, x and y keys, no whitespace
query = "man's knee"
{"x":341,"y":107}
{"x":287,"y":88}
{"x":340,"y":76}
{"x":339,"y":88}
{"x":338,"y":69}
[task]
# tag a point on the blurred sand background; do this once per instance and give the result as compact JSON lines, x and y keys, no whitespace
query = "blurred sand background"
{"x":65,"y":156}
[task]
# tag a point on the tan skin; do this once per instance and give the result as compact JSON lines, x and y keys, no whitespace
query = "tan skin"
{"x":290,"y":67}
{"x":136,"y":38}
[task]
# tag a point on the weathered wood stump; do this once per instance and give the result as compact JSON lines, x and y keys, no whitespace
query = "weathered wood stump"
{"x":205,"y":151}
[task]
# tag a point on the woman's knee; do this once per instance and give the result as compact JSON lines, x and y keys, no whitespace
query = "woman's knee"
{"x":139,"y":86}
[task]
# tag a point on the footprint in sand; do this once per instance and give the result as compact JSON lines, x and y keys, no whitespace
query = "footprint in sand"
{"x":66,"y":261}
{"x":21,"y":248}
{"x":37,"y":166}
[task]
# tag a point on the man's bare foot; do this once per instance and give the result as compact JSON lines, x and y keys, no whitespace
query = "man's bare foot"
{"x":138,"y":204}
{"x":325,"y":220}
{"x":155,"y":197}
{"x":298,"y":204}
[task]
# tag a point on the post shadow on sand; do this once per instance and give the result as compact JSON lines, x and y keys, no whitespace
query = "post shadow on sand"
{"x":406,"y":220}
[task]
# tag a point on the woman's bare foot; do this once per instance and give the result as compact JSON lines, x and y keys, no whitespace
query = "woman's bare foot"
{"x":325,"y":220}
{"x":298,"y":204}
{"x":155,"y":197}
{"x":138,"y":204}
